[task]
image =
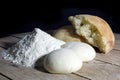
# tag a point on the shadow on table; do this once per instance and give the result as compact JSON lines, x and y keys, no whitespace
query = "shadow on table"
{"x":39,"y":65}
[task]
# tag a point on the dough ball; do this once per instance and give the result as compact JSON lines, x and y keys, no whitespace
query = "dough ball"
{"x":62,"y":61}
{"x":83,"y":50}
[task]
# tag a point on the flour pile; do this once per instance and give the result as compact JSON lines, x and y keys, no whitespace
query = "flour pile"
{"x":32,"y":47}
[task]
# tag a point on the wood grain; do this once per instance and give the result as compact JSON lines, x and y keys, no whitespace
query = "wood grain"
{"x":117,"y":41}
{"x":117,"y":36}
{"x":97,"y":70}
{"x":117,"y":45}
{"x":113,"y":57}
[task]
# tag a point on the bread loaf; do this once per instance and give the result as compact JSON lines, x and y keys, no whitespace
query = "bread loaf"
{"x":67,"y":34}
{"x":94,"y":30}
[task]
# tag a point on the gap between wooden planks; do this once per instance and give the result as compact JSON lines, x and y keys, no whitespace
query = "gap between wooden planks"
{"x":2,"y":77}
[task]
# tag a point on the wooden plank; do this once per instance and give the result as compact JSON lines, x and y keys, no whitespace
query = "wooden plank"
{"x":117,"y":46}
{"x":97,"y":70}
{"x":22,"y":73}
{"x":117,"y":41}
{"x":113,"y":57}
{"x":20,"y":35}
{"x":3,"y":78}
{"x":117,"y":36}
{"x":8,"y":41}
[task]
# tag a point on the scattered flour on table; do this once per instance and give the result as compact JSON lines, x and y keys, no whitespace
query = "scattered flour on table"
{"x":33,"y":46}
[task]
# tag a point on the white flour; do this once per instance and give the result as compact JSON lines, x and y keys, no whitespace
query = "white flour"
{"x":32,"y":47}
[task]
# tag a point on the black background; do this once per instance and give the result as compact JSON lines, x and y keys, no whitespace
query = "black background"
{"x":18,"y":17}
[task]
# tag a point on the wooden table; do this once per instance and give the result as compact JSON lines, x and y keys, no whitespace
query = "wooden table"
{"x":103,"y":67}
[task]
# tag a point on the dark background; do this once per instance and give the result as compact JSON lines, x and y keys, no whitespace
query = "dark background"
{"x":18,"y":17}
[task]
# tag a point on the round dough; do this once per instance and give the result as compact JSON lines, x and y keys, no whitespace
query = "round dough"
{"x":62,"y":61}
{"x":83,"y":50}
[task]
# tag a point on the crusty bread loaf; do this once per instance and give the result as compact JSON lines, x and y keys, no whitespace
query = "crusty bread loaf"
{"x":67,"y":34}
{"x":95,"y":30}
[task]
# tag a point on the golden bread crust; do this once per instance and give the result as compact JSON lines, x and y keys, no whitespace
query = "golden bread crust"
{"x":101,"y":25}
{"x":67,"y":34}
{"x":104,"y":29}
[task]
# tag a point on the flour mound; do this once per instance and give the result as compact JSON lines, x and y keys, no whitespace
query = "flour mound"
{"x":32,"y":47}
